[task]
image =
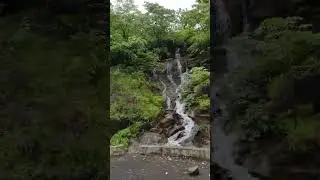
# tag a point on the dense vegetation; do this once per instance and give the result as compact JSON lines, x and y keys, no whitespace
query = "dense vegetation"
{"x":54,"y":121}
{"x":277,"y":93}
{"x":132,"y":99}
{"x":195,"y":89}
{"x":55,"y":80}
{"x":136,"y":52}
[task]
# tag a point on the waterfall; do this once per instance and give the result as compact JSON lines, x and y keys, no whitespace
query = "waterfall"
{"x":172,"y":92}
{"x":222,"y":143}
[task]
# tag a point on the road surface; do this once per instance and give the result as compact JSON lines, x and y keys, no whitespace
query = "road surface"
{"x":139,"y":167}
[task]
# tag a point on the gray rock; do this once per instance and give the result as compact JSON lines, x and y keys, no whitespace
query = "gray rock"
{"x":150,"y":138}
{"x":177,"y":118}
{"x":175,"y":130}
{"x":180,"y":135}
{"x":154,"y":130}
{"x":193,"y":171}
{"x":167,"y":121}
{"x":169,"y":116}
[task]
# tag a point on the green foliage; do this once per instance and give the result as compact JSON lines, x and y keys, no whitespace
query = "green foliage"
{"x":194,"y":28}
{"x":160,"y":32}
{"x":281,"y":90}
{"x":141,"y":48}
{"x":285,"y":65}
{"x":135,"y":52}
{"x":133,"y":97}
{"x":273,"y":28}
{"x":123,"y":136}
{"x":193,"y":89}
{"x":159,"y":20}
{"x":51,"y":105}
{"x":298,"y":135}
{"x":203,"y":102}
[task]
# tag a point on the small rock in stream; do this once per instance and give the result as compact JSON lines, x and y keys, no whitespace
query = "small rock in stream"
{"x":180,"y":135}
{"x":175,"y":130}
{"x":193,"y":171}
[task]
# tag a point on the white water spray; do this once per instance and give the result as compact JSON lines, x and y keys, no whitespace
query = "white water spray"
{"x":164,"y":94}
{"x":190,"y":128}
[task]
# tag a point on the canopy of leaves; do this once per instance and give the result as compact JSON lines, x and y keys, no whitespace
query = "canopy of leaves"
{"x":141,"y":39}
{"x":283,"y":76}
{"x":194,"y":28}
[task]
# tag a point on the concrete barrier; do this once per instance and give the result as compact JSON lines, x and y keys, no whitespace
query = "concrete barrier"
{"x":201,"y":153}
{"x":117,"y":150}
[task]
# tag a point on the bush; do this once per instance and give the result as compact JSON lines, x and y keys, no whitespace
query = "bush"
{"x":194,"y":87}
{"x":123,"y":136}
{"x":284,"y":66}
{"x":300,"y":133}
{"x":133,"y":53}
{"x":133,"y":97}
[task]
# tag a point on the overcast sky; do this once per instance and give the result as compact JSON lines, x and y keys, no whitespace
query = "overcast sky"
{"x":169,"y":4}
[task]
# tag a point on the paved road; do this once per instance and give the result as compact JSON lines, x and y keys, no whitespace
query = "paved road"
{"x":139,"y":167}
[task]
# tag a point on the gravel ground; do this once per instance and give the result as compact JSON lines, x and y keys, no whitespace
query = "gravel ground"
{"x":139,"y":167}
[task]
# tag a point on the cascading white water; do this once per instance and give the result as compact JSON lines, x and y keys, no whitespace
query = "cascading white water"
{"x":164,"y":94}
{"x":169,"y":74}
{"x":190,"y":128}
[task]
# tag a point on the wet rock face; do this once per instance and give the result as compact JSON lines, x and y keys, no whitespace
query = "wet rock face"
{"x":175,"y":130}
{"x":169,"y":125}
{"x":167,"y":121}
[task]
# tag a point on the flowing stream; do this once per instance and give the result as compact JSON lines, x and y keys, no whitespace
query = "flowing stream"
{"x":172,"y":84}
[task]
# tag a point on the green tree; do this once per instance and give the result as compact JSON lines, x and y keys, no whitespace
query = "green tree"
{"x":195,"y":28}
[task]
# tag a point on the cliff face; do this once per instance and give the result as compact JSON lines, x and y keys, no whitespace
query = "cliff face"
{"x":246,"y":15}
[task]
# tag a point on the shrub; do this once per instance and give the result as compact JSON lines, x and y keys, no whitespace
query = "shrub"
{"x":123,"y":136}
{"x":284,"y":66}
{"x":194,"y":87}
{"x":132,"y":97}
